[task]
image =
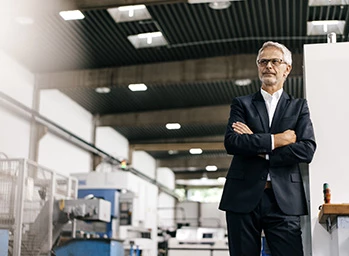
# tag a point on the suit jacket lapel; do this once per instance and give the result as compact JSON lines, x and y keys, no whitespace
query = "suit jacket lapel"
{"x":259,"y":104}
{"x":280,"y":109}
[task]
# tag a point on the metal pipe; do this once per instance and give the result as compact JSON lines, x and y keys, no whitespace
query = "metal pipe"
{"x":68,"y":136}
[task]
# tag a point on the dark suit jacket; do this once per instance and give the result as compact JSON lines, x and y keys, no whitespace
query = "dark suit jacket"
{"x":248,"y":172}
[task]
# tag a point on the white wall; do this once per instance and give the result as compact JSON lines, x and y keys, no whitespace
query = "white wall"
{"x":54,"y":152}
{"x":144,"y":162}
{"x":327,"y":90}
{"x":16,"y":82}
{"x":166,"y":203}
{"x":112,"y":142}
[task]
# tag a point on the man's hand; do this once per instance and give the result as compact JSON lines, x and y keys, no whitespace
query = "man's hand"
{"x":241,"y":128}
{"x":283,"y":139}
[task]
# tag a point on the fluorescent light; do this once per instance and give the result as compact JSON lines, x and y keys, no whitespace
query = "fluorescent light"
{"x":328,"y":2}
{"x":131,"y":7}
{"x":173,"y":126}
{"x":137,"y":87}
{"x":243,"y":82}
{"x":325,"y":22}
{"x":152,"y":34}
{"x":211,"y":168}
{"x":102,"y":89}
{"x":195,"y":151}
{"x":72,"y":15}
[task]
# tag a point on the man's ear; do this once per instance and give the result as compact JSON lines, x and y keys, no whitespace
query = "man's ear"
{"x":288,"y":70}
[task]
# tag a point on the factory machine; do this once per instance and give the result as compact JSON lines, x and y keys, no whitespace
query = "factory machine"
{"x":43,"y":212}
{"x":38,"y":204}
{"x":198,"y":241}
{"x":112,"y":187}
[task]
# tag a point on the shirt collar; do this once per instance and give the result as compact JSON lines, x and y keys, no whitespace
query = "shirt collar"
{"x":276,"y":95}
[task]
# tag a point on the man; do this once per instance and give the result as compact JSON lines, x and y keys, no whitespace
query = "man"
{"x":269,"y":133}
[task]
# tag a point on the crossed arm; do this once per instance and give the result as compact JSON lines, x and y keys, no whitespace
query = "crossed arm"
{"x":280,"y":139}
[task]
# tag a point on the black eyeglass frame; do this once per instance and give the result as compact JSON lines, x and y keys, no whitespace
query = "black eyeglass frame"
{"x":274,"y":61}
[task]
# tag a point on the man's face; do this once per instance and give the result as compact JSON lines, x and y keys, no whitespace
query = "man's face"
{"x":273,"y":74}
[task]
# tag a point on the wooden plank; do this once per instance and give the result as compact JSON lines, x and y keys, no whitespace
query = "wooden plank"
{"x":332,"y":211}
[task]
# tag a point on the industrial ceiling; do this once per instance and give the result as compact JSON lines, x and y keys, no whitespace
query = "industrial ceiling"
{"x":191,"y":80}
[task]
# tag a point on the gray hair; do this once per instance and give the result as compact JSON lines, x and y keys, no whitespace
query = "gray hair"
{"x":286,"y":52}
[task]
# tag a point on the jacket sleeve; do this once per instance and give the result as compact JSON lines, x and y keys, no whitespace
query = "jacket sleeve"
{"x":244,"y":144}
{"x":302,"y":151}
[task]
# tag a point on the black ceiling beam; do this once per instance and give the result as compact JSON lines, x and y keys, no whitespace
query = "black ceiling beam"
{"x":197,"y":162}
{"x":178,"y":146}
{"x":198,"y":115}
{"x":188,"y":71}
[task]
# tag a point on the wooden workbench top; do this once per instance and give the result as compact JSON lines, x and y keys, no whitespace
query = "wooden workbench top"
{"x":332,"y":211}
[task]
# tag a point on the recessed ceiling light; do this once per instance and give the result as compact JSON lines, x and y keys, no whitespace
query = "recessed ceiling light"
{"x":173,"y":126}
{"x":129,"y":13}
{"x":219,"y":5}
{"x":172,"y":152}
{"x":195,"y":151}
{"x":144,"y":40}
{"x":243,"y":82}
{"x":102,"y":89}
{"x":137,"y":87}
{"x":211,"y":168}
{"x":72,"y":15}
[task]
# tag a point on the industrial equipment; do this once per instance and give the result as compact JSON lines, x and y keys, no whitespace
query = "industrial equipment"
{"x":113,"y":187}
{"x":36,"y":205}
{"x":198,"y":241}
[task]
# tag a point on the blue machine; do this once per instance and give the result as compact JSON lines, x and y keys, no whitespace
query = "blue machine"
{"x":111,"y":195}
{"x":4,"y":239}
{"x":91,"y":247}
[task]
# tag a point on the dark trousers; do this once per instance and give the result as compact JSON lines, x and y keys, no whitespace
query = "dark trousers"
{"x":283,"y":232}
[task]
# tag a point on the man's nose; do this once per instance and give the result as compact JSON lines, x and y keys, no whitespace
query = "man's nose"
{"x":269,"y":65}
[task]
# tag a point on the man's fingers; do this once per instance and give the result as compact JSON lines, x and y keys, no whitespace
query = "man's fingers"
{"x":241,"y":128}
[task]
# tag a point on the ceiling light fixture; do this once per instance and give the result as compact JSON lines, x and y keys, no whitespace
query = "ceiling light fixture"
{"x":172,"y":152}
{"x":173,"y":126}
{"x":137,"y":87}
{"x":72,"y":15}
{"x":129,"y":13}
{"x":243,"y":82}
{"x":102,"y":89}
{"x":195,"y":151}
{"x":323,"y":27}
{"x":131,"y":9}
{"x":328,"y":2}
{"x":211,"y":168}
{"x":219,"y":5}
{"x":152,"y":39}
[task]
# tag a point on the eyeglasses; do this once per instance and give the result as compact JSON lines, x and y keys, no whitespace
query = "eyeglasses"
{"x":275,"y":62}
